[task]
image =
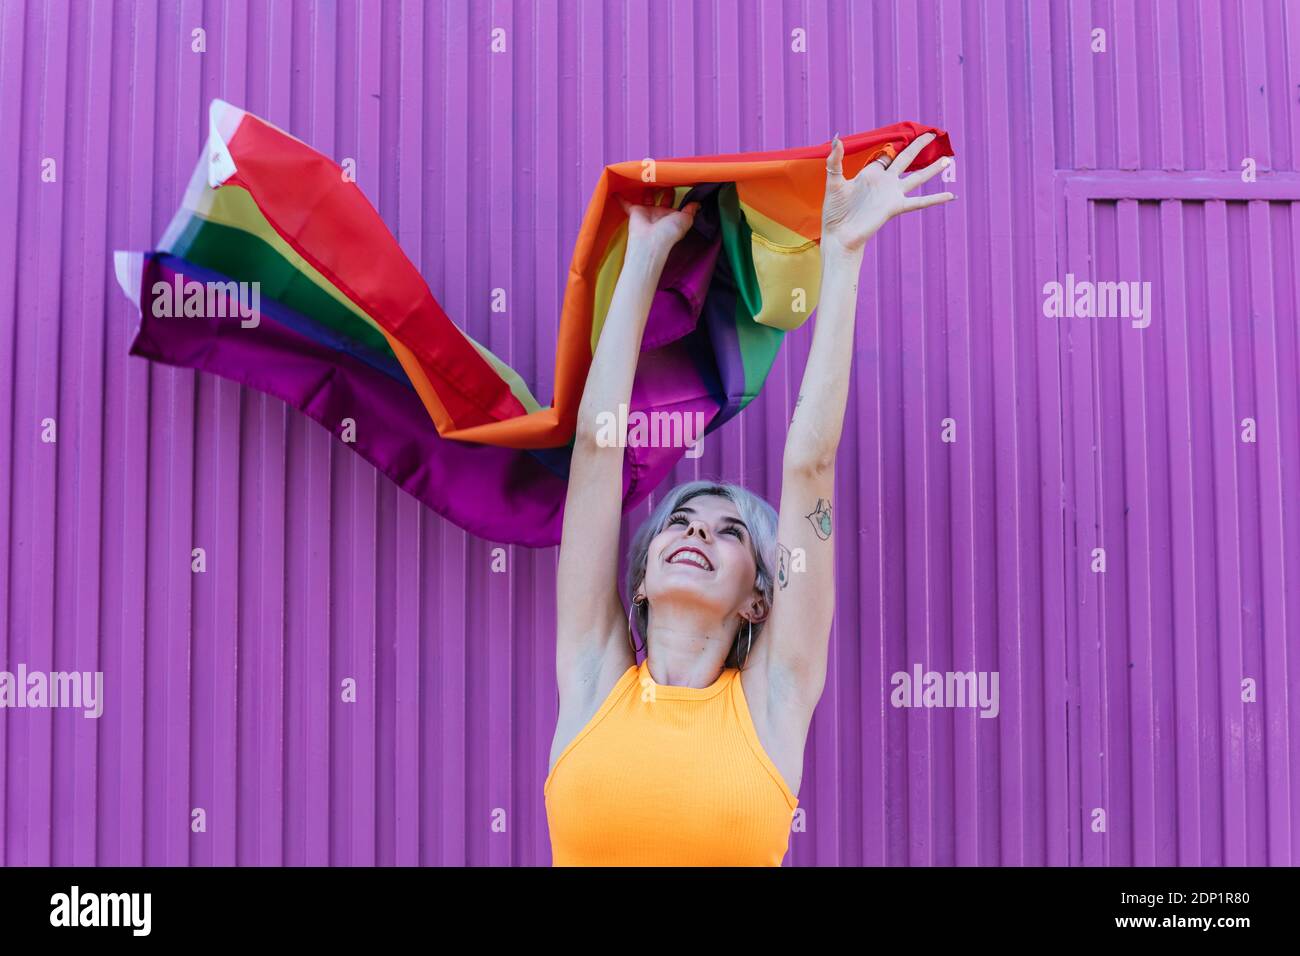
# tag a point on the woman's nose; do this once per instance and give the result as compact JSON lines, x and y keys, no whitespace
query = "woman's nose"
{"x":697,"y":527}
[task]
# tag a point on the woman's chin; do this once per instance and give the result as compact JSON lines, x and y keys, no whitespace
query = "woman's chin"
{"x":687,"y":581}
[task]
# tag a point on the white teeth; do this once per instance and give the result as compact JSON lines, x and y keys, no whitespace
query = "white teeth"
{"x":690,"y":556}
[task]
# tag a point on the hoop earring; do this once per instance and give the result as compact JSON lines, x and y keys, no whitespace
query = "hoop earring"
{"x":749,"y":646}
{"x":630,"y":633}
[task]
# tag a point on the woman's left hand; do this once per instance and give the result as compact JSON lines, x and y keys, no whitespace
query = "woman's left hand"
{"x":853,"y":210}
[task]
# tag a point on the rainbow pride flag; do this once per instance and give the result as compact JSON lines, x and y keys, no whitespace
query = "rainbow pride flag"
{"x":277,"y":272}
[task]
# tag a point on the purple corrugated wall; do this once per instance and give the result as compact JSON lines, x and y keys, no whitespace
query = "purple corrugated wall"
{"x":1125,"y":733}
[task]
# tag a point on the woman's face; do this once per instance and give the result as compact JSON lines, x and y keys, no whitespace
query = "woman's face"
{"x":703,"y":557}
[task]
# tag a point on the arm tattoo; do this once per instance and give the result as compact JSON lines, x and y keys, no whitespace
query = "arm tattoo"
{"x":782,"y":566}
{"x":821,"y":518}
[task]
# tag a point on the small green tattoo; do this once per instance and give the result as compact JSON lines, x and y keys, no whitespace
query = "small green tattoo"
{"x":783,"y":565}
{"x":821,"y":518}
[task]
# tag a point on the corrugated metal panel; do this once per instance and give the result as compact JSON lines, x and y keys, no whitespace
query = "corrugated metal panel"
{"x":1198,"y":594}
{"x":1120,"y":692}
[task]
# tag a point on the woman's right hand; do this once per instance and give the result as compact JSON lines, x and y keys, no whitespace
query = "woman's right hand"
{"x":657,"y":228}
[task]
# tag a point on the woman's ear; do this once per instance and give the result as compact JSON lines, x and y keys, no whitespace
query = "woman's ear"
{"x":759,"y":610}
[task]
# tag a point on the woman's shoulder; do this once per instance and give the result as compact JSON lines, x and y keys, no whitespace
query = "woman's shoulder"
{"x":577,"y":717}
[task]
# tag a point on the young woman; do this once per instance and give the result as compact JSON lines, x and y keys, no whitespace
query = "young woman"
{"x":694,"y":756}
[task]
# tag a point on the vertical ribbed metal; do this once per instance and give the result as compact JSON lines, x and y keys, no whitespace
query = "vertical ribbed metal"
{"x":1148,"y":713}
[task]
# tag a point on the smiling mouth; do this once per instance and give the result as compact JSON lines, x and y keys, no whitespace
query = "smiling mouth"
{"x":692,"y":557}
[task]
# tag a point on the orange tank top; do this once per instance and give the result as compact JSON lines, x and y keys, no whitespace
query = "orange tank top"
{"x":668,"y":776}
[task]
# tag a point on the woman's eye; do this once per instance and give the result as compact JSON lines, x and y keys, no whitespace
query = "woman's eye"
{"x":681,"y":519}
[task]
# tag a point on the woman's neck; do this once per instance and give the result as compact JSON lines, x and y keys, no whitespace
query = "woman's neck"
{"x":682,"y":660}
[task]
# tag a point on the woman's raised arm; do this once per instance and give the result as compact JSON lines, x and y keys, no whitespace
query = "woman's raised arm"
{"x":590,"y":621}
{"x":797,"y":633}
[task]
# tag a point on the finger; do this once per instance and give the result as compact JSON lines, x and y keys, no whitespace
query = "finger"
{"x":920,"y":202}
{"x":924,"y":176}
{"x":691,"y":208}
{"x":835,"y":159}
{"x":905,"y":158}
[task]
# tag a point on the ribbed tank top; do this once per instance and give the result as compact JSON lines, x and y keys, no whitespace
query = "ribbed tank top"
{"x":668,"y":776}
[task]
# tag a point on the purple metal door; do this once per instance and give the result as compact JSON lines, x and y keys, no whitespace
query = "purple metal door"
{"x":1181,"y":442}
